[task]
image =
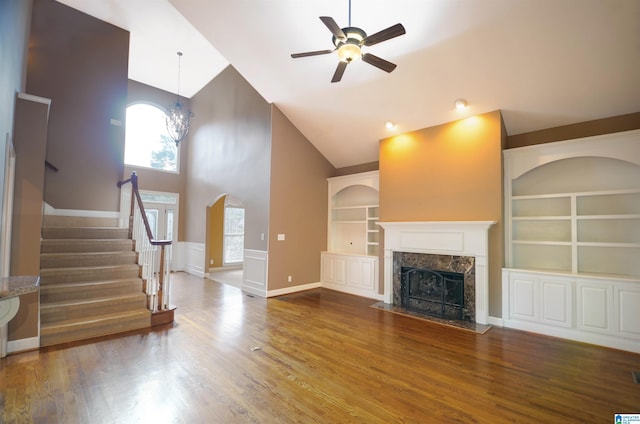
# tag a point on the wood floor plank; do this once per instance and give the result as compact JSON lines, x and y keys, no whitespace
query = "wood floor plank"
{"x":313,"y":357}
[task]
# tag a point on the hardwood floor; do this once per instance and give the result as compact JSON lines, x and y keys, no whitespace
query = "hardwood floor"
{"x":313,"y":357}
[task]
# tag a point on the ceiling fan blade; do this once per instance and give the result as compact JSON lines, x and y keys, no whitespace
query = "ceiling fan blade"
{"x":384,"y":35}
{"x":315,"y":53}
{"x":378,"y":62}
{"x":333,"y":27}
{"x":337,"y":75}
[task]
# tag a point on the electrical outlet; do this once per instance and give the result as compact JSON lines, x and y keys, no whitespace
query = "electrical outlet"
{"x":211,"y":262}
{"x":289,"y":279}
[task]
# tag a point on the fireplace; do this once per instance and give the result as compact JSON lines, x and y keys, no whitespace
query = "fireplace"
{"x":436,"y":293}
{"x":446,"y":246}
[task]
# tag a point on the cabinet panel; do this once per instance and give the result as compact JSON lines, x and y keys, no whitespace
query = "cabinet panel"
{"x":629,"y":312}
{"x":334,"y":269}
{"x":523,"y":295}
{"x":361,"y":272}
{"x":556,"y":302}
{"x":594,"y":306}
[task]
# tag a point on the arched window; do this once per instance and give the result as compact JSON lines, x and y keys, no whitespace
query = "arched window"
{"x":147,"y":143}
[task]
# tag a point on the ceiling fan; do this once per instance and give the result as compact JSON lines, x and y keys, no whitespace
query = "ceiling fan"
{"x":349,"y":41}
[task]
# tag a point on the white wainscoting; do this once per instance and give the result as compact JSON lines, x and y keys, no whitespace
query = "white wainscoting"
{"x":254,"y":277}
{"x":189,"y":257}
{"x":590,"y":309}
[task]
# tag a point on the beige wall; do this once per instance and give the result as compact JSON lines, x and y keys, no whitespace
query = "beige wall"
{"x":451,"y":172}
{"x":81,"y":64}
{"x":229,"y":153}
{"x":298,"y":206}
{"x":151,"y":179}
{"x":30,"y":137}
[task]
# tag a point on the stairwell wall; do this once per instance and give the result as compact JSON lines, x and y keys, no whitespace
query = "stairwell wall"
{"x":81,"y":64}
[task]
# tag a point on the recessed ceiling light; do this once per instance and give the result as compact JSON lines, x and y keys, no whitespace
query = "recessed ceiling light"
{"x":461,"y":104}
{"x":390,"y":125}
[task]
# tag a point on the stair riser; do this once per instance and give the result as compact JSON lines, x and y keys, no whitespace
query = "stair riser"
{"x":79,"y":221}
{"x":79,"y":246}
{"x":90,"y":310}
{"x":52,"y":293}
{"x":66,"y":260}
{"x":70,"y":275}
{"x":84,"y":233}
{"x":53,"y":336}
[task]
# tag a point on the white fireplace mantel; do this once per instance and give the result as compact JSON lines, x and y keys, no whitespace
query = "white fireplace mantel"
{"x":460,"y":238}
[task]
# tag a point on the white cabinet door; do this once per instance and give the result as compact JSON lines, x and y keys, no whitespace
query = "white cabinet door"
{"x":594,"y":306}
{"x":334,"y":269}
{"x":362,"y":272}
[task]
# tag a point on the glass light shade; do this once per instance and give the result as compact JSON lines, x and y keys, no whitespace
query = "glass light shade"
{"x":349,"y":52}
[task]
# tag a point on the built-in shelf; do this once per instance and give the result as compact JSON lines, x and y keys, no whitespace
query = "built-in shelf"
{"x":572,"y":214}
{"x":350,"y":263}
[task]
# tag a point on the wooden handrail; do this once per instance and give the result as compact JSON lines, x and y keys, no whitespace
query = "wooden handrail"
{"x":135,"y":197}
{"x":51,"y":166}
{"x":135,"y":194}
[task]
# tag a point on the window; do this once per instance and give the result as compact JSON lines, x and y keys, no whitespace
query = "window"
{"x":233,"y":235}
{"x":147,"y":143}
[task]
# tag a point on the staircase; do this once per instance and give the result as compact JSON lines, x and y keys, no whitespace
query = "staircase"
{"x":89,"y":280}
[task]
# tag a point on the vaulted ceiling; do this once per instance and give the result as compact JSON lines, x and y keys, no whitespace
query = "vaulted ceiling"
{"x":544,"y":63}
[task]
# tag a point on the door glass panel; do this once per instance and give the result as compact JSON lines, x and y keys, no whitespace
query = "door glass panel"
{"x":169,"y":224}
{"x":152,"y":217}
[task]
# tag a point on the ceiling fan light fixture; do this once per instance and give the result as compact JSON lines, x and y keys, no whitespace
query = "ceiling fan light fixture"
{"x":348,"y":52}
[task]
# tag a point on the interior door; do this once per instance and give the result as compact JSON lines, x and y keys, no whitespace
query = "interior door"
{"x":162,"y":214}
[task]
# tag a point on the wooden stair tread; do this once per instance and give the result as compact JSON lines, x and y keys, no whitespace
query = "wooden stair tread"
{"x":53,"y":328}
{"x":54,"y":286}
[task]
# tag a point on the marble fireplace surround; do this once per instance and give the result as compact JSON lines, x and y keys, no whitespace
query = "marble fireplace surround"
{"x":458,"y":238}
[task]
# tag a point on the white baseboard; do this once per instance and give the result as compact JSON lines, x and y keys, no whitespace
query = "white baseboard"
{"x":498,"y":322}
{"x":21,"y":345}
{"x":293,"y":289}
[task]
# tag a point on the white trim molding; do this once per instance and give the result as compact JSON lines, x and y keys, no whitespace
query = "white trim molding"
{"x":462,"y":238}
{"x":293,"y":289}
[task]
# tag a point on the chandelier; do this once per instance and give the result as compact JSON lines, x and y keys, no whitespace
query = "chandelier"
{"x":177,"y":118}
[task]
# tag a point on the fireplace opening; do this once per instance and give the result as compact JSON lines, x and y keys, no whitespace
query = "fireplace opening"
{"x":432,"y":292}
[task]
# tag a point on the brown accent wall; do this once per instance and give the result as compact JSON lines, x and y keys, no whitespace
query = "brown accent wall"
{"x":298,"y":207}
{"x":356,"y":169}
{"x":450,"y":172}
{"x":229,"y":153}
{"x":583,"y":129}
{"x":81,"y":64}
